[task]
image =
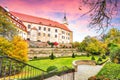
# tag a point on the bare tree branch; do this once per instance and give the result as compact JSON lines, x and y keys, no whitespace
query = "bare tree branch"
{"x":101,"y":13}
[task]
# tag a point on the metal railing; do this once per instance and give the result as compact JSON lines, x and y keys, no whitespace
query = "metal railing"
{"x":13,"y":69}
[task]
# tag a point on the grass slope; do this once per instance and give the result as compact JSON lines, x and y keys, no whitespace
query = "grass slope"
{"x":110,"y":70}
{"x":58,"y":62}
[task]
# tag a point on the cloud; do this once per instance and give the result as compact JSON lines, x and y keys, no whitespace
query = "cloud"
{"x":54,"y":10}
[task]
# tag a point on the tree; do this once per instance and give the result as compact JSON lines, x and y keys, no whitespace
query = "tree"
{"x":20,"y":48}
{"x":6,"y":47}
{"x":75,"y":44}
{"x":7,"y":28}
{"x":73,"y":55}
{"x":52,"y":56}
{"x":93,"y":45}
{"x":101,"y":12}
{"x":17,"y":48}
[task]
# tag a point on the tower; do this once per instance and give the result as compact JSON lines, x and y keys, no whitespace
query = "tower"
{"x":65,"y":22}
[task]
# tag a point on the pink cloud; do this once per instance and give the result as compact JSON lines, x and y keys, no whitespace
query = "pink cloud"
{"x":48,"y":7}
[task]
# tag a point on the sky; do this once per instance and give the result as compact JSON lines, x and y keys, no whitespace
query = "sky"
{"x":54,"y":10}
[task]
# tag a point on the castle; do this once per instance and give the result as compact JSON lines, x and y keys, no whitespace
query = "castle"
{"x":40,"y":29}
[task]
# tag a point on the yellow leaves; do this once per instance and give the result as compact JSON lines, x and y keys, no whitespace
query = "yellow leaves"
{"x":21,"y":47}
{"x":17,"y":48}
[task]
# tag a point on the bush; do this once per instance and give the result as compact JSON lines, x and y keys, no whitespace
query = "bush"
{"x":115,"y":53}
{"x":92,"y":58}
{"x":51,"y":68}
{"x":103,"y":57}
{"x":99,"y":59}
{"x":52,"y":56}
{"x":111,"y":71}
{"x":88,"y":54}
{"x":35,"y":57}
{"x":73,"y":55}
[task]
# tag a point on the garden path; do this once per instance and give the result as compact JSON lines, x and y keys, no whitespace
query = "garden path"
{"x":86,"y":71}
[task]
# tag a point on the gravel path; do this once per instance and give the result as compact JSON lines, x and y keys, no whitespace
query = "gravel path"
{"x":86,"y":71}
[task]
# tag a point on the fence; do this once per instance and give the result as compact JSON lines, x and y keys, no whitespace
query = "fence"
{"x":13,"y":69}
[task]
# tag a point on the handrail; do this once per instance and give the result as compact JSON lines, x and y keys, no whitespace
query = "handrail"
{"x":11,"y":68}
{"x":23,"y":63}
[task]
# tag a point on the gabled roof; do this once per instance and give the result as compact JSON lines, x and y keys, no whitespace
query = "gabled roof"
{"x":14,"y":19}
{"x":38,"y":20}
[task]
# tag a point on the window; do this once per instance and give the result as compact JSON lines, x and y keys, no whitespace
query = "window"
{"x":39,"y":34}
{"x":63,"y":37}
{"x":29,"y":26}
{"x":28,"y":32}
{"x":48,"y":35}
{"x":39,"y":28}
{"x":55,"y":30}
{"x":48,"y":29}
{"x":55,"y":36}
{"x":43,"y":34}
{"x":68,"y":33}
{"x":63,"y":32}
{"x":44,"y":28}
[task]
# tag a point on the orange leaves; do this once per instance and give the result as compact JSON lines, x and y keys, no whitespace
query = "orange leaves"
{"x":20,"y":48}
{"x":17,"y":48}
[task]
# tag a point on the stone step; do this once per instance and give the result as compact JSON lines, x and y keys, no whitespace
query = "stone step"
{"x":54,"y":78}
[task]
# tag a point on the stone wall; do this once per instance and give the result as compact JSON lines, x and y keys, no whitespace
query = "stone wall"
{"x":83,"y":62}
{"x":58,"y":52}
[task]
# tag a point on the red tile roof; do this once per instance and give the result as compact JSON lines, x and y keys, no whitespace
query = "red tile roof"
{"x":14,"y":19}
{"x":38,"y":20}
{"x":17,"y":21}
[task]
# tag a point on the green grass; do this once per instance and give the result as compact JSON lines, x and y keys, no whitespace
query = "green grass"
{"x":58,"y":62}
{"x":110,"y":70}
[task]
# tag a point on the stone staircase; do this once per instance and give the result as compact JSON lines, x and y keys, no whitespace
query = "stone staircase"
{"x":68,"y":76}
{"x":54,"y":78}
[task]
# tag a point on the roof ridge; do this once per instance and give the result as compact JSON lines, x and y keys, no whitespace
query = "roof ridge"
{"x":38,"y":20}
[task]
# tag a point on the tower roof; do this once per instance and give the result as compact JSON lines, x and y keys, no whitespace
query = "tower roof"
{"x":65,"y":19}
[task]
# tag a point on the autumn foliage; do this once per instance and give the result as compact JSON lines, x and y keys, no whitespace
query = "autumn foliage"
{"x":20,"y":48}
{"x":16,"y":48}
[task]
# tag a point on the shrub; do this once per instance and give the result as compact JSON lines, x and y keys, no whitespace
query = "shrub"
{"x":115,"y":52}
{"x":92,"y":58}
{"x":52,"y":56}
{"x":73,"y":55}
{"x":99,"y":59}
{"x":51,"y":68}
{"x":88,"y":54}
{"x":35,"y":57}
{"x":103,"y":57}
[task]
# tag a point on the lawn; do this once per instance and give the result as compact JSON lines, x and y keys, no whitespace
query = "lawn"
{"x":111,"y":71}
{"x":58,"y":62}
